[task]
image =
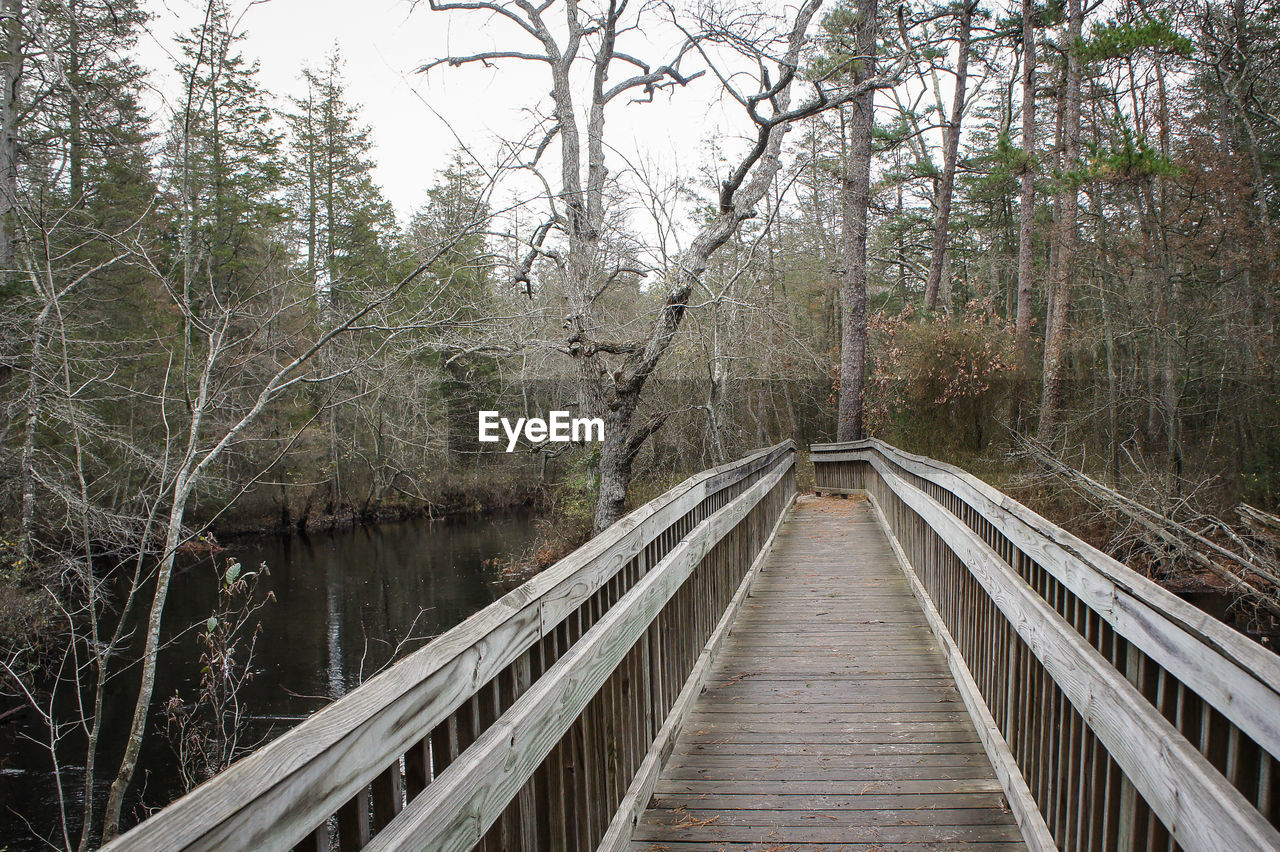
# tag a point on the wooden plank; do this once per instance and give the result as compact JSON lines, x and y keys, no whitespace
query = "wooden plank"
{"x":780,"y":751}
{"x":388,"y":795}
{"x":353,"y":822}
{"x":1186,"y":792}
{"x":277,"y":796}
{"x":957,"y":835}
{"x":770,"y":748}
{"x":886,"y":786}
{"x":1240,"y":678}
{"x":786,"y":800}
{"x":459,"y":806}
{"x":771,"y":844}
{"x":1035,"y":832}
{"x":761,"y":813}
{"x":640,"y":790}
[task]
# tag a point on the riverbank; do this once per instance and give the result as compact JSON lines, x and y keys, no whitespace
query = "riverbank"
{"x":347,"y":603}
{"x":284,"y":510}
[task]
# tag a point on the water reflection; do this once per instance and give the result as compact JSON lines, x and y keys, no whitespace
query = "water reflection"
{"x":344,"y":602}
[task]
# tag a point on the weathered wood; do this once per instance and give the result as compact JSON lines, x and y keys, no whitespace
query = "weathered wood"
{"x":1035,"y":832}
{"x":1240,"y":679}
{"x":1112,"y":711}
{"x":1179,"y":784}
{"x":388,"y":796}
{"x":455,"y":810}
{"x":784,"y":745}
{"x":646,"y":777}
{"x":353,"y":822}
{"x":1077,"y":713}
{"x":280,"y":794}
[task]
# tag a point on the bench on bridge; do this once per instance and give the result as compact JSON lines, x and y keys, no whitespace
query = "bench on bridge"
{"x":1115,"y":715}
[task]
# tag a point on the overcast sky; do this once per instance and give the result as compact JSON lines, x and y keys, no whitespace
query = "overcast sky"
{"x":383,"y":42}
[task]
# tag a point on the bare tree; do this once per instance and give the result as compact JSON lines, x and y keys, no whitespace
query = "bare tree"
{"x":612,"y":373}
{"x":203,"y":436}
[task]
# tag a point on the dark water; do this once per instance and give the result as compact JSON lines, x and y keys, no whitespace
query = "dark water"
{"x":1261,"y":627}
{"x":344,"y":600}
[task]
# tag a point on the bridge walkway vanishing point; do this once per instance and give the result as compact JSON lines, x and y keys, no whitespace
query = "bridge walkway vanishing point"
{"x":925,"y":665}
{"x":830,"y":716}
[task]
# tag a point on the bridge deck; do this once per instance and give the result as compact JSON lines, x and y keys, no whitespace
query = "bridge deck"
{"x":830,"y":719}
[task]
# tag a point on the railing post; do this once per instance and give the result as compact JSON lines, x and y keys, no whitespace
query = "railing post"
{"x":394,"y":757}
{"x":353,"y":822}
{"x":1102,"y":778}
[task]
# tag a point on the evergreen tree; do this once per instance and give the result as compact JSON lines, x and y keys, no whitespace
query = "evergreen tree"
{"x":344,"y":223}
{"x":225,"y":162}
{"x":456,"y":213}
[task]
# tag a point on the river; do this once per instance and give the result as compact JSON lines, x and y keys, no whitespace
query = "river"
{"x":344,"y":600}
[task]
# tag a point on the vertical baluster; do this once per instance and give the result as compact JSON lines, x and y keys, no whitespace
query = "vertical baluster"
{"x":444,"y":746}
{"x":353,"y":822}
{"x":1232,"y":768}
{"x":551,"y":829}
{"x":1014,"y":696}
{"x":417,"y":767}
{"x":388,"y":792}
{"x":1076,"y":776}
{"x":597,"y":787}
{"x":1095,"y":811}
{"x":614,"y":735}
{"x":524,"y":824}
{"x":1131,"y":815}
{"x":1111,"y":825}
{"x":318,"y":840}
{"x":581,"y":752}
{"x":1043,"y":711}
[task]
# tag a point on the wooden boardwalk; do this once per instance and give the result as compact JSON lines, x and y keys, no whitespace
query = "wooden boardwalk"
{"x":829,"y":720}
{"x":718,"y":672}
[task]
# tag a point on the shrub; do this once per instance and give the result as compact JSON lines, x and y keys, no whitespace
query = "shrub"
{"x":939,"y":382}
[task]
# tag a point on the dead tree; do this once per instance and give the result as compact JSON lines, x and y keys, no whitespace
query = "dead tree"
{"x":585,"y":45}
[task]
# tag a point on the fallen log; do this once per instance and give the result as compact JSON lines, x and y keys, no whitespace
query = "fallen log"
{"x":1255,"y":579}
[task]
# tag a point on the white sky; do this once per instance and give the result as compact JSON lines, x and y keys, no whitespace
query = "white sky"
{"x":383,"y":42}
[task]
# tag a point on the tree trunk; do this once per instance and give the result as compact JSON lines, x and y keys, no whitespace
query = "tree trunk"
{"x":35,"y":368}
{"x":1108,"y":339}
{"x":1068,"y":235}
{"x":855,"y":202}
{"x":75,"y":119}
{"x":951,"y":149}
{"x":146,"y":687}
{"x":1026,"y":212}
{"x":11,"y":80}
{"x":747,"y":185}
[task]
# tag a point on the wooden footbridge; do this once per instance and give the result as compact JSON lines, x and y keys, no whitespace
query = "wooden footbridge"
{"x":924,"y":665}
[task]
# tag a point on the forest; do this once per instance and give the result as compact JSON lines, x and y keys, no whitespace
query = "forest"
{"x":1033,"y":238}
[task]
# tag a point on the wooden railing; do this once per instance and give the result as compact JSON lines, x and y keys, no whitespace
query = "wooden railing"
{"x":1117,"y":715}
{"x":539,"y":723}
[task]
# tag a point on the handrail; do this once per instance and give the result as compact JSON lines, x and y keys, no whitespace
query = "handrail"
{"x":1132,"y":719}
{"x":548,"y":699}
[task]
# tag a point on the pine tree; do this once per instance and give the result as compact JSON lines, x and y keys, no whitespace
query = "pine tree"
{"x":344,"y":222}
{"x":224,"y":159}
{"x":456,"y":213}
